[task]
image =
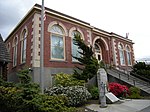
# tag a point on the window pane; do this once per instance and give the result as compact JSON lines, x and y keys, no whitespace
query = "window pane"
{"x":97,"y":49}
{"x":56,"y":29}
{"x":122,"y":61}
{"x":57,"y":47}
{"x":129,"y":58}
{"x":15,"y":56}
{"x":75,"y":49}
{"x":24,"y":50}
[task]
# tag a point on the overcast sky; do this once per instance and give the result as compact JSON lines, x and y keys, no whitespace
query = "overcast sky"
{"x":118,"y":16}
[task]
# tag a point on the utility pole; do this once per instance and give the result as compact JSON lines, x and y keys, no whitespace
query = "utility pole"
{"x":42,"y":49}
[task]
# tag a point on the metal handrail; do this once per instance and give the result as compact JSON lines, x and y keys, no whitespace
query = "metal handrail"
{"x":129,"y":77}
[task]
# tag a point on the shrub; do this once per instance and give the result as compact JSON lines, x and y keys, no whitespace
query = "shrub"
{"x":9,"y":99}
{"x":67,"y":80}
{"x":45,"y":103}
{"x":94,"y":92}
{"x":134,"y":92}
{"x":76,"y":95}
{"x":6,"y":84}
{"x":140,"y":68}
{"x":25,"y":97}
{"x":118,"y":89}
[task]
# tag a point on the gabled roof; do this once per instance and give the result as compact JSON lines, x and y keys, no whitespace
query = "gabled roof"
{"x":4,"y":55}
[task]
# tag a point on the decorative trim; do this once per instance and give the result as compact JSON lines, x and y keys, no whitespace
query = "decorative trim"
{"x":35,"y":40}
{"x":115,"y":57}
{"x":25,"y":28}
{"x":101,"y":38}
{"x":14,"y":41}
{"x":57,"y":23}
{"x":77,"y":29}
{"x":89,"y":35}
{"x":128,"y":47}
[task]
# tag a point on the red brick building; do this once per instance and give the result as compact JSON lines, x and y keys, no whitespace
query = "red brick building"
{"x":23,"y":44}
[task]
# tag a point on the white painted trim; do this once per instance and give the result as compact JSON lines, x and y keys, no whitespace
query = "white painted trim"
{"x":14,"y":41}
{"x":57,"y":23}
{"x":63,"y":47}
{"x":127,"y":46}
{"x":35,"y":51}
{"x":89,"y":35}
{"x":24,"y":28}
{"x":114,"y":52}
{"x":76,"y":29}
{"x":101,"y":38}
{"x":119,"y":43}
{"x":100,"y":32}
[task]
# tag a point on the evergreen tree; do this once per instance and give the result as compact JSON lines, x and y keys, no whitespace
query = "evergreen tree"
{"x":89,"y":64}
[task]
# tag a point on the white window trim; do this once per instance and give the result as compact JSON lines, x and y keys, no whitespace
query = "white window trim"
{"x":128,"y":51}
{"x":15,"y":44}
{"x":22,"y":39}
{"x":121,"y":50}
{"x":63,"y":36}
{"x":99,"y":53}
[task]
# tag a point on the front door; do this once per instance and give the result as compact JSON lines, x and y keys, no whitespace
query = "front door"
{"x":98,"y":52}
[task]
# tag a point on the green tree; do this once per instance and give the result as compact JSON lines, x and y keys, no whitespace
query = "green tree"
{"x":88,"y":63}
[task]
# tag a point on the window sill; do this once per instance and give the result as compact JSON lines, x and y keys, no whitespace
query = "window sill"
{"x":75,"y":62}
{"x":22,"y":64}
{"x":61,"y":61}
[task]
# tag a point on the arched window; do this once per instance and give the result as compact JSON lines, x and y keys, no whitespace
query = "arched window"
{"x":74,"y":49}
{"x":57,"y":43}
{"x":15,"y":42}
{"x":128,"y":51}
{"x":23,"y":45}
{"x":121,"y":53}
{"x":98,"y":52}
{"x":8,"y":47}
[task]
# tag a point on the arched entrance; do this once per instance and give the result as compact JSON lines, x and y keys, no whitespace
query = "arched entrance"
{"x":101,"y":49}
{"x":98,"y":52}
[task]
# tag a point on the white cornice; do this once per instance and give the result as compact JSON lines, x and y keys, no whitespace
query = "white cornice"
{"x":116,"y":36}
{"x":63,"y":16}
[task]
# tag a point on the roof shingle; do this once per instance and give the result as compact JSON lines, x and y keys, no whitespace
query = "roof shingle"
{"x":4,"y":55}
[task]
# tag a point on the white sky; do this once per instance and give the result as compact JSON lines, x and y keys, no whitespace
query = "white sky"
{"x":118,"y":16}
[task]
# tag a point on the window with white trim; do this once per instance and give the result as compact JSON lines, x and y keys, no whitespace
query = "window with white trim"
{"x":57,"y":43}
{"x":128,"y":52}
{"x":74,"y":48}
{"x":15,"y":51}
{"x":23,"y":46}
{"x":121,"y":54}
{"x":98,"y":52}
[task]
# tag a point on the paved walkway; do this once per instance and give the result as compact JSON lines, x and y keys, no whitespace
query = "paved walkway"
{"x":128,"y":105}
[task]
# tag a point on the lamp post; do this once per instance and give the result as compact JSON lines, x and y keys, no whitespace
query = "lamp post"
{"x":42,"y":49}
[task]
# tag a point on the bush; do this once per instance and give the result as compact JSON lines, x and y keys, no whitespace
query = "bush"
{"x":94,"y":92}
{"x":25,"y":97}
{"x":140,"y":68}
{"x":9,"y":99}
{"x":45,"y":103}
{"x":118,"y":89}
{"x":6,"y":84}
{"x":76,"y":95}
{"x":134,"y":92}
{"x":67,"y":80}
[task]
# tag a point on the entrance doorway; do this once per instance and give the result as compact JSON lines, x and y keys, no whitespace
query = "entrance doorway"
{"x":98,"y":52}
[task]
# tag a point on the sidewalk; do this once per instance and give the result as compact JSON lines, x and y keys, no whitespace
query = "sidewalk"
{"x":128,"y":105}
